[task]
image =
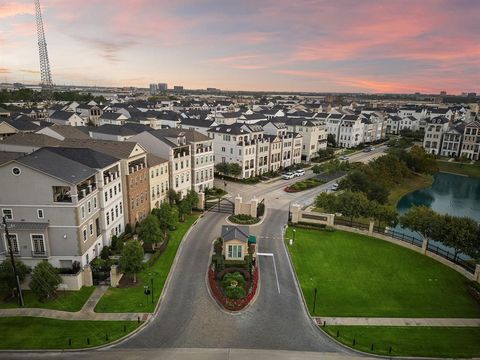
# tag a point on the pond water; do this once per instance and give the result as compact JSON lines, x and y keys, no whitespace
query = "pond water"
{"x":449,"y":194}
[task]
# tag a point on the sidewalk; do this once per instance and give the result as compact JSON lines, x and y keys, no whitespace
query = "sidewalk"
{"x":86,"y":313}
{"x":373,"y":321}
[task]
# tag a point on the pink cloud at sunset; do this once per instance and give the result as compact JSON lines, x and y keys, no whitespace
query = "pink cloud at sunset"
{"x":309,"y":45}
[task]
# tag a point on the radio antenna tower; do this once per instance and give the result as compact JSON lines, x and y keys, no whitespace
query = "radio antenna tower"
{"x":45,"y":74}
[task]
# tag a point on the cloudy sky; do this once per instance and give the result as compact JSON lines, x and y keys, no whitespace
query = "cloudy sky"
{"x":294,"y":45}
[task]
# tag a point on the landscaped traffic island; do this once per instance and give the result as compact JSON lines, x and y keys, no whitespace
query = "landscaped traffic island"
{"x":233,"y":274}
{"x":304,"y":185}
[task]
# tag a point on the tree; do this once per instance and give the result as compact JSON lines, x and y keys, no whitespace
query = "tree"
{"x":167,"y":216}
{"x":331,"y":167}
{"x":150,"y":231}
{"x":358,"y":180}
{"x":192,"y":198}
{"x":7,"y":275}
{"x":384,"y":214}
{"x":131,"y":260}
{"x":45,"y":280}
{"x":324,"y":154}
{"x":184,"y":208}
{"x":173,"y":197}
{"x":327,"y":202}
{"x":423,"y":220}
{"x":459,"y":233}
{"x":331,"y":141}
{"x":105,"y":253}
{"x":353,"y":204}
{"x":235,"y":169}
{"x":229,"y":169}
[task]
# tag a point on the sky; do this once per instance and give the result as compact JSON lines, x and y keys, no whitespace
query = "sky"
{"x":366,"y":46}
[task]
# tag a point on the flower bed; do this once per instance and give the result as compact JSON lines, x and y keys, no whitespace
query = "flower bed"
{"x":303,"y":185}
{"x":243,"y":219}
{"x":226,"y":302}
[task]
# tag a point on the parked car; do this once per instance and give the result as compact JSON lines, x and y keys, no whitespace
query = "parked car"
{"x":344,"y":157}
{"x":288,"y":176}
{"x":367,"y":149}
{"x":299,"y":172}
{"x":334,"y":187}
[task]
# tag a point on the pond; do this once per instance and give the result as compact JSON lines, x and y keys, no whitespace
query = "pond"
{"x":451,"y":194}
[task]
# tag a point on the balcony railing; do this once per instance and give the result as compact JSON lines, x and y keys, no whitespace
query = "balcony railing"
{"x":39,"y":254}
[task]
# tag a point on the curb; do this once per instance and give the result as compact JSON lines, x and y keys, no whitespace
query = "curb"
{"x":139,"y":328}
{"x":256,"y":224}
{"x":219,"y":306}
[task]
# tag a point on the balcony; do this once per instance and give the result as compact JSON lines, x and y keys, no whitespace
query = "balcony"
{"x":86,"y":188}
{"x":62,"y":194}
{"x":110,"y":176}
{"x":135,"y":166}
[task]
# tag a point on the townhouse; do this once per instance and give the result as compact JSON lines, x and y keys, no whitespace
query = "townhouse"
{"x":57,"y":216}
{"x":237,"y":143}
{"x":158,"y":180}
{"x":350,"y":132}
{"x":134,"y":171}
{"x":434,"y":131}
{"x":313,"y":133}
{"x":471,"y":141}
{"x":170,"y":144}
{"x":109,"y":184}
{"x":452,"y":141}
{"x":18,"y":124}
{"x":291,"y":142}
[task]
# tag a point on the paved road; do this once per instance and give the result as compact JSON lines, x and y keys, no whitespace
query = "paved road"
{"x":190,"y":318}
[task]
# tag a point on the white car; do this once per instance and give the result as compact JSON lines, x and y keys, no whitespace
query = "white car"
{"x":334,"y":187}
{"x":288,"y":176}
{"x":344,"y":157}
{"x":300,"y":172}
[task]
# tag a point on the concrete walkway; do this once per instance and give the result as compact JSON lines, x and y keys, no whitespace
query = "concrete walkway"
{"x":86,"y":313}
{"x":374,"y":321}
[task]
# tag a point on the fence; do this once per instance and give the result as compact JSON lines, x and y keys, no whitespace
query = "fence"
{"x":448,"y":255}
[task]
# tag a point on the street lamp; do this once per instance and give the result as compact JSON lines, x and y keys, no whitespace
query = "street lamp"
{"x":294,"y":233}
{"x":146,"y":291}
{"x":151,"y":284}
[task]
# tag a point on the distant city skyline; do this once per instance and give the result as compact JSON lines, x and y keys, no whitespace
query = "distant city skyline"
{"x":271,"y":45}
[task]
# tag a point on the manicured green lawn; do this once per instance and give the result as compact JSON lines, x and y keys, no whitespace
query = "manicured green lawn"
{"x":304,"y":185}
{"x":40,"y":333}
{"x":459,"y":168}
{"x":132,"y":299}
{"x":65,"y":300}
{"x":357,"y":275}
{"x":411,"y":341}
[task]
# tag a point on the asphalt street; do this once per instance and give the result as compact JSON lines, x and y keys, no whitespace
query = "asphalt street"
{"x":189,"y":318}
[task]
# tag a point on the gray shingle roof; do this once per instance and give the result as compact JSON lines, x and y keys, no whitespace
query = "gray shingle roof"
{"x":87,"y":157}
{"x":58,"y":166}
{"x":117,"y":149}
{"x":31,"y":139}
{"x":62,"y":115}
{"x":231,"y":232}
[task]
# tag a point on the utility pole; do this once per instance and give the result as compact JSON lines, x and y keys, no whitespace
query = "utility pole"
{"x":10,"y":248}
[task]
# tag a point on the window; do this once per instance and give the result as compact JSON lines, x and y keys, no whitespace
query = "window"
{"x":40,"y":213}
{"x":97,"y":227}
{"x":83,"y":211}
{"x":108,"y":216}
{"x":89,"y":207}
{"x":111,"y":213}
{"x":7,"y":213}
{"x":115,"y":190}
{"x":95,"y":202}
{"x":119,"y":188}
{"x":116,"y":210}
{"x":110,"y":193}
{"x":16,"y":171}
{"x":38,"y":244}
{"x":120,"y":208}
{"x":90,"y":227}
{"x":235,"y":251}
{"x":14,"y":241}
{"x":106,"y":197}
{"x":84,"y":234}
{"x":176,"y":166}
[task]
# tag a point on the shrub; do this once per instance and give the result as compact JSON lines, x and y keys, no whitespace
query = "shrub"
{"x":105,"y":253}
{"x":261,"y":209}
{"x":233,"y":285}
{"x":243,"y":219}
{"x":218,"y":246}
{"x":45,"y":280}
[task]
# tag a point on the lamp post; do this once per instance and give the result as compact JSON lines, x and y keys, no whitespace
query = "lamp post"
{"x":314,"y":300}
{"x":294,"y":234}
{"x":146,"y":291}
{"x":151,"y":285}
